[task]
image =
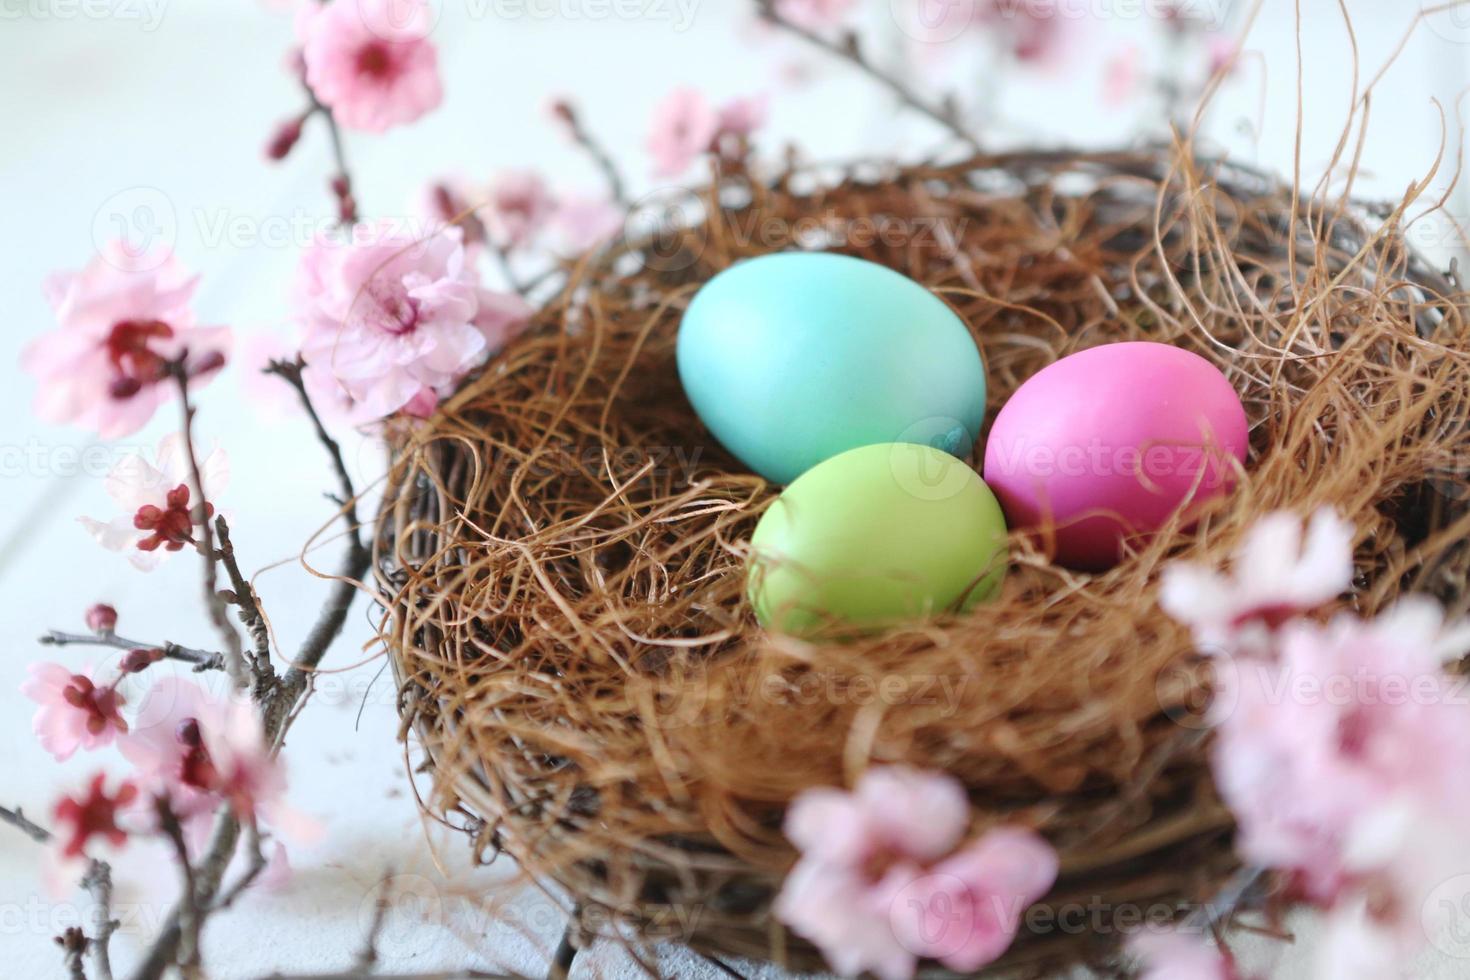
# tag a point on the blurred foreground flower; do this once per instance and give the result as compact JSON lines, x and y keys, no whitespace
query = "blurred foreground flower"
{"x":121,"y":320}
{"x":75,"y":712}
{"x":880,"y":883}
{"x":158,"y":514}
{"x":94,"y":814}
{"x":391,"y":321}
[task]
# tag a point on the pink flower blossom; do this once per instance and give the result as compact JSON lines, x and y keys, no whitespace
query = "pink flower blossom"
{"x":743,"y":116}
{"x":1339,"y":758}
{"x":155,"y":501}
{"x":453,"y":200}
{"x":1276,"y":574}
{"x":879,"y":873}
{"x":95,"y":814}
{"x":1224,"y":55}
{"x":965,"y":911}
{"x":371,"y":61}
{"x":1174,"y":956}
{"x":121,"y":319}
{"x":392,"y":322}
{"x":684,"y":127}
{"x":269,"y":396}
{"x":75,"y":712}
{"x":519,"y":208}
{"x":199,"y":750}
{"x":1122,"y":75}
{"x":817,"y":14}
{"x":585,"y":222}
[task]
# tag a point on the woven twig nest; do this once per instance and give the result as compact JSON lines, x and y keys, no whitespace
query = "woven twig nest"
{"x":564,"y":544}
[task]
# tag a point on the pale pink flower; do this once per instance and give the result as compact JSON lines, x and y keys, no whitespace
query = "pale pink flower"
{"x":155,"y":501}
{"x":519,"y":207}
{"x":371,"y":61}
{"x":1175,"y":956}
{"x":817,"y":14}
{"x":1122,"y":75}
{"x":1276,"y":573}
{"x":1340,"y":758}
{"x":743,"y":116}
{"x":880,"y":885}
{"x":269,"y":396}
{"x":200,"y":750}
{"x":1224,"y":54}
{"x":393,"y":321}
{"x":965,"y":911}
{"x":75,"y":711}
{"x":585,"y":222}
{"x":1354,"y":946}
{"x":684,"y":128}
{"x":120,"y":320}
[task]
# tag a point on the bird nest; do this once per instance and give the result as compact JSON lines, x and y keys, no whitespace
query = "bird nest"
{"x":563,"y":545}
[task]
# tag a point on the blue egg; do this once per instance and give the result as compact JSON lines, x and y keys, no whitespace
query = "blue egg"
{"x":791,"y":359}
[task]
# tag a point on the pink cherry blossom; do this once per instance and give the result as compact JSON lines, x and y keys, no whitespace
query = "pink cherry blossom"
{"x":684,"y":127}
{"x":1122,"y":75}
{"x":880,"y":883}
{"x":392,"y":321}
{"x":371,"y":61}
{"x":453,"y":200}
{"x":1224,"y":55}
{"x":200,"y":750}
{"x":817,"y":14}
{"x":743,"y":116}
{"x":154,"y":500}
{"x":269,"y":397}
{"x":965,"y":910}
{"x":519,"y":207}
{"x":1175,"y":956}
{"x":120,"y":320}
{"x":1276,"y":573}
{"x":93,"y":814}
{"x":1339,"y":757}
{"x":583,"y":222}
{"x":75,"y":711}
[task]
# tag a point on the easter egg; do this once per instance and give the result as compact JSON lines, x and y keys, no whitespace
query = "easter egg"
{"x":877,"y":535}
{"x":790,"y":359}
{"x":1111,"y":442}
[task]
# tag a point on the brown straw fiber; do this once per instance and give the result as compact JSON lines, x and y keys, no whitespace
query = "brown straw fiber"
{"x":564,"y":544}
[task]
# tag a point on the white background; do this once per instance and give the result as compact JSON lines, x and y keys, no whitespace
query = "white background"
{"x":102,"y":115}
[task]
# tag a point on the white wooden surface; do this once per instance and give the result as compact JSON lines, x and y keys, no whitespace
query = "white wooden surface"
{"x":156,"y":115}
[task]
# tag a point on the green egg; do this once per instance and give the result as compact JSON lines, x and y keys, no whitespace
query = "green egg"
{"x":875,"y":536}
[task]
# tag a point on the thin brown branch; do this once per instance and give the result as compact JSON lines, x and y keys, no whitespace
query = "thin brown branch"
{"x":213,"y":601}
{"x":249,"y":603}
{"x":191,"y":909}
{"x":201,"y":659}
{"x":592,"y":146}
{"x":849,"y":49}
{"x":73,"y":943}
{"x":97,"y":881}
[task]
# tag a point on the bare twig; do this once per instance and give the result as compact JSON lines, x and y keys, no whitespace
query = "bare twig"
{"x":191,"y":913}
{"x":250,"y":614}
{"x":616,"y":187}
{"x":566,"y":950}
{"x":73,"y":943}
{"x":213,"y":601}
{"x":201,"y":659}
{"x":849,"y":49}
{"x":255,"y":864}
{"x":25,"y":825}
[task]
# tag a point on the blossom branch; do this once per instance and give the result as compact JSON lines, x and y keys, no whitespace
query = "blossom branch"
{"x":244,"y":596}
{"x":849,"y":49}
{"x":213,"y":601}
{"x":201,"y":659}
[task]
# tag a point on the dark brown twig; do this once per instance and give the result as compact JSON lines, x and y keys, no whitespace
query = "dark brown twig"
{"x":849,"y":49}
{"x":213,"y":601}
{"x":201,"y":659}
{"x":250,"y":614}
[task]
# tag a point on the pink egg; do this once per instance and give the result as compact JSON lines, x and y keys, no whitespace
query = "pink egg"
{"x":1109,"y":442}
